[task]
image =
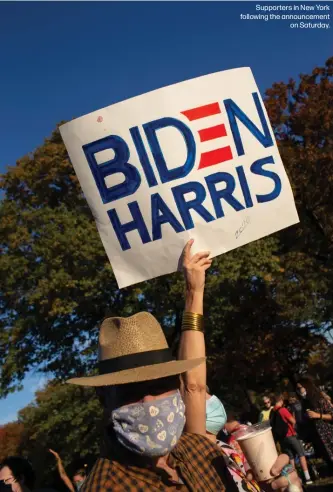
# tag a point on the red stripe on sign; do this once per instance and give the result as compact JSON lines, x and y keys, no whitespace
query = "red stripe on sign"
{"x":202,"y":111}
{"x":215,"y":157}
{"x":212,"y":132}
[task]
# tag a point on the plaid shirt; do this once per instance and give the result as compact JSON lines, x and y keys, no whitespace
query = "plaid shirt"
{"x":198,"y":461}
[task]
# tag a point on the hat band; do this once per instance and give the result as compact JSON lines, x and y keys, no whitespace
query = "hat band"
{"x":131,"y":361}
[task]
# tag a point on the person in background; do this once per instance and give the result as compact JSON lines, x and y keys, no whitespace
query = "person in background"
{"x":296,"y":410}
{"x":79,"y":475}
{"x":320,"y":413}
{"x":325,"y":395}
{"x":62,"y":472}
{"x":232,"y":426}
{"x":79,"y":478}
{"x":16,"y":474}
{"x":216,"y":420}
{"x":290,"y":444}
{"x":301,"y":390}
{"x":266,"y":412}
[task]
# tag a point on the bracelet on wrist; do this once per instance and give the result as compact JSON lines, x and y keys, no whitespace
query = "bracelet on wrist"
{"x":193,"y":321}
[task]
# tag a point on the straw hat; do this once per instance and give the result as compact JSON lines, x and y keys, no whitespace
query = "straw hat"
{"x":134,"y":349}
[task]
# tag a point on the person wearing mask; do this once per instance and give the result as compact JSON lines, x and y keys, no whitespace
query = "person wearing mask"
{"x":301,"y":390}
{"x":79,"y":478}
{"x":144,"y":391}
{"x":16,"y":475}
{"x":320,"y":413}
{"x":266,"y":411}
{"x":79,"y":475}
{"x":216,"y":420}
{"x":290,"y":444}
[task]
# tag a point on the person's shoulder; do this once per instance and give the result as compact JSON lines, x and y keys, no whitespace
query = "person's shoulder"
{"x":285,"y":412}
{"x":99,"y":477}
{"x":195,"y":443}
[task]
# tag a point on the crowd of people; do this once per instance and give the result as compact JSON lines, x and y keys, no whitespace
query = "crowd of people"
{"x":163,"y":429}
{"x":301,"y":421}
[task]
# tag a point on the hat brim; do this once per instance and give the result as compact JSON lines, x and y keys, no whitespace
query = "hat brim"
{"x":139,"y":374}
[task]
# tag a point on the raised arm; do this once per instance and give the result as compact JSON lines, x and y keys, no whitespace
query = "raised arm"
{"x":62,"y":472}
{"x":192,"y":342}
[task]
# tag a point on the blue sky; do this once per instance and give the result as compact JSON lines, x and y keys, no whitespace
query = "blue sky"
{"x":62,"y":60}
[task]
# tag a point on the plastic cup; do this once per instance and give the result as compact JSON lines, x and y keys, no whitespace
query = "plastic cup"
{"x":259,"y":449}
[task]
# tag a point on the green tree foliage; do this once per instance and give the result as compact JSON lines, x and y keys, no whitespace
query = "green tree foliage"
{"x":267,"y":303}
{"x":62,"y":417}
{"x":277,"y":320}
{"x":56,"y":280}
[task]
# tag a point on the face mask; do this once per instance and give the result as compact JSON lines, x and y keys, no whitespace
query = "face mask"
{"x":79,"y":484}
{"x":215,"y":415}
{"x":302,"y":392}
{"x":151,"y":428}
{"x":5,"y":487}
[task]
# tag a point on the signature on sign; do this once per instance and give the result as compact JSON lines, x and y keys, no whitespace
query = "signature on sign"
{"x":244,"y":224}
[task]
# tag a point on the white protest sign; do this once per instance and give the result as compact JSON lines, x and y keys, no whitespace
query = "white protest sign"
{"x":196,"y":160}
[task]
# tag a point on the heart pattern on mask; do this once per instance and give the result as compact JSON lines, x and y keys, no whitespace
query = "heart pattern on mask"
{"x":137,"y":412}
{"x":153,"y":411}
{"x":150,"y":428}
{"x":143,"y":428}
{"x":161,"y":436}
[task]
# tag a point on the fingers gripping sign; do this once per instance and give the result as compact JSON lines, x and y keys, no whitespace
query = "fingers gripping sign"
{"x":195,"y":267}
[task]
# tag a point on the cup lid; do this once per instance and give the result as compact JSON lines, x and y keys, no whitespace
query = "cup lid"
{"x":252,"y":429}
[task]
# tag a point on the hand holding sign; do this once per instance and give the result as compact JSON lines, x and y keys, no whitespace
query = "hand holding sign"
{"x":197,"y":159}
{"x":195,"y":268}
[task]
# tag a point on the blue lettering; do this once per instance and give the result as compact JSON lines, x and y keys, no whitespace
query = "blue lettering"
{"x":225,"y":194}
{"x":117,"y":165}
{"x":166,"y":174}
{"x":143,"y":156}
{"x":257,"y":168}
{"x":234,"y":112}
{"x":195,"y":204}
{"x":244,"y":186}
{"x":166,"y":216}
{"x":137,"y":223}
